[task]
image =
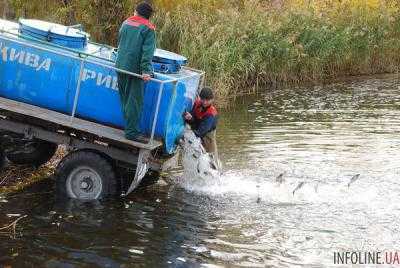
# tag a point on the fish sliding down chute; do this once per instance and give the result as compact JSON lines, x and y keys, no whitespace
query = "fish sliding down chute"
{"x":199,"y":166}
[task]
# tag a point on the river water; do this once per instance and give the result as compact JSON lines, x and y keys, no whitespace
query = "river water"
{"x":321,"y":135}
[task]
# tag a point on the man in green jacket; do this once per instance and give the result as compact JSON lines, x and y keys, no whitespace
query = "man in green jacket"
{"x":136,"y":46}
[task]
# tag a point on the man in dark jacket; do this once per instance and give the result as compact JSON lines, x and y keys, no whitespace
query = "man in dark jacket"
{"x":203,"y":120}
{"x":136,"y":46}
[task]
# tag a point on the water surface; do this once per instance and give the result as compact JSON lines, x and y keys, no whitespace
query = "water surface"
{"x":319,"y":135}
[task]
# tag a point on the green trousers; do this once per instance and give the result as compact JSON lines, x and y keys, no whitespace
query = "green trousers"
{"x":131,"y":92}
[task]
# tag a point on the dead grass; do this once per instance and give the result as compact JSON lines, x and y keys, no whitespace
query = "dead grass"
{"x":14,"y":178}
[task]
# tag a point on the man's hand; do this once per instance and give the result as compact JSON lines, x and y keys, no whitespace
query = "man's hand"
{"x":146,"y":77}
{"x":188,"y":116}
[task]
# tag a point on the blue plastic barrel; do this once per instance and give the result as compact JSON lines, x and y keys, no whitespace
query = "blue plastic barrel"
{"x":40,"y":64}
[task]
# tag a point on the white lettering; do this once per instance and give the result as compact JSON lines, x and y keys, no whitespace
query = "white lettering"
{"x":14,"y":55}
{"x":115,"y":83}
{"x":44,"y":65}
{"x":35,"y":61}
{"x":88,"y":74}
{"x":4,"y":53}
{"x":23,"y":57}
{"x":106,"y":81}
{"x":32,"y":60}
{"x":101,"y":79}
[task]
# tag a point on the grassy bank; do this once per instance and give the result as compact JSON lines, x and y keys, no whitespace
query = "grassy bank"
{"x":245,"y":44}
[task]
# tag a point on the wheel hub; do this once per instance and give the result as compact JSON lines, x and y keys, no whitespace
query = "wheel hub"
{"x":84,"y":183}
{"x":87,"y":184}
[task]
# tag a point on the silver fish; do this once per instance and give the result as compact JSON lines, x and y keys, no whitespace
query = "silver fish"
{"x":212,"y":165}
{"x":280,"y":178}
{"x":316,"y":187}
{"x":258,"y":193}
{"x":353,"y":179}
{"x":299,"y":186}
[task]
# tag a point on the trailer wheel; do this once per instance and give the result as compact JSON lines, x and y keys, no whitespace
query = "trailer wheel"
{"x":2,"y":159}
{"x":40,"y":153}
{"x":86,"y":175}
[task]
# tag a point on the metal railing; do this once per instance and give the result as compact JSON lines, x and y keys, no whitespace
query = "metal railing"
{"x":86,"y":58}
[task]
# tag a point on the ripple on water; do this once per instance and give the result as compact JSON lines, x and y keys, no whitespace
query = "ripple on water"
{"x":320,"y":136}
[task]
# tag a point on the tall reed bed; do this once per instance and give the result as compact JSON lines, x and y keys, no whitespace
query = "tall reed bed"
{"x":244,"y":45}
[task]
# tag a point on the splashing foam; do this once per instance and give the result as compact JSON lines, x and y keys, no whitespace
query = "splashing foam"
{"x":200,"y":168}
{"x":201,"y":175}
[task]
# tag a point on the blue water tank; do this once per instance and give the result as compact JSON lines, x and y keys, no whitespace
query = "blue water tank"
{"x":168,"y":62}
{"x":54,"y":33}
{"x":40,"y":65}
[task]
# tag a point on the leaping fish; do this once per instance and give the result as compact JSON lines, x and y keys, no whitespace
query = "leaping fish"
{"x":298,"y":187}
{"x":353,"y":179}
{"x":258,"y":193}
{"x":316,"y":187}
{"x":280,"y":178}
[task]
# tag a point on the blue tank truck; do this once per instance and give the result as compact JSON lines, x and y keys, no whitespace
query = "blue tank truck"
{"x":58,"y":88}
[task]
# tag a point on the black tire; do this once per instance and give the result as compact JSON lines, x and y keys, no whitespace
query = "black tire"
{"x":86,"y":175}
{"x":42,"y":152}
{"x":3,"y":159}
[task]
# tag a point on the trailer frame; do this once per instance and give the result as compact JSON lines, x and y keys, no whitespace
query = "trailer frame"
{"x":31,"y":123}
{"x":35,"y":123}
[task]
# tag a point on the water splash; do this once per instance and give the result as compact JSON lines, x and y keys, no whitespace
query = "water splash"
{"x":201,"y":176}
{"x":268,"y":190}
{"x":200,"y":167}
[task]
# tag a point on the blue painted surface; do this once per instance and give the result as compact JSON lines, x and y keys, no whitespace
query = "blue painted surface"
{"x":54,"y":33}
{"x":164,"y":56}
{"x":166,"y":68}
{"x":49,"y":80}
